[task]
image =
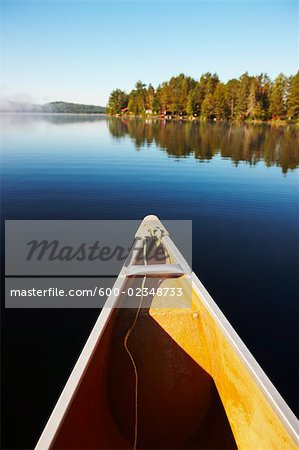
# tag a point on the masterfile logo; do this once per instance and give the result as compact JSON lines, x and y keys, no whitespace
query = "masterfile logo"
{"x":80,"y":247}
{"x":55,"y":250}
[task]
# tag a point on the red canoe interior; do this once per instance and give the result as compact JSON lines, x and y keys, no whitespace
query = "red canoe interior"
{"x":178,"y":403}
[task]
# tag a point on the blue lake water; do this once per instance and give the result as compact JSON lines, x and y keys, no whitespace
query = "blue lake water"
{"x":238,"y":184}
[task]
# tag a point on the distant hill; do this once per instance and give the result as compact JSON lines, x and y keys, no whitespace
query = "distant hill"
{"x":74,"y":108}
{"x":52,"y":107}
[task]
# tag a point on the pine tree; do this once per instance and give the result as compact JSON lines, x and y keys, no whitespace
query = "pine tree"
{"x":183,"y":97}
{"x":221,"y":108}
{"x":243,"y":96}
{"x":208,"y":83}
{"x":163,"y":96}
{"x":132,"y":105}
{"x":258,"y":100}
{"x":189,"y":108}
{"x":264,"y":96}
{"x":293,"y":97}
{"x":232,"y":92}
{"x":252,"y":99}
{"x":150,"y":98}
{"x":186,"y":87}
{"x":207,"y":107}
{"x":278,"y":96}
{"x":137,"y":99}
{"x":195,"y":99}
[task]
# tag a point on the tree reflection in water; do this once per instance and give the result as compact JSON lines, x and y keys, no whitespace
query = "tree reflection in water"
{"x":251,"y":143}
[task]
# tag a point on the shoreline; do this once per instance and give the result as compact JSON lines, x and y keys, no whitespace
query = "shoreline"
{"x":175,"y":118}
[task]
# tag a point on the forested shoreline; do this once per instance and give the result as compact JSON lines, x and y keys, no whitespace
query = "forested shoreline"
{"x":254,"y":98}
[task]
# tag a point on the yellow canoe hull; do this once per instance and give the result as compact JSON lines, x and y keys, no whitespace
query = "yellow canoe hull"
{"x":205,"y":335}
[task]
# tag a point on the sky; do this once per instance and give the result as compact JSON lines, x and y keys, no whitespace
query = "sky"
{"x":80,"y":50}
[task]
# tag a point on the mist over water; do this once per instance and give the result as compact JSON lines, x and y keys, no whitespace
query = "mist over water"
{"x":16,"y":103}
{"x":239,"y":185}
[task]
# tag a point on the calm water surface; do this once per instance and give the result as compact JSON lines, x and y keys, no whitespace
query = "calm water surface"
{"x":238,"y":184}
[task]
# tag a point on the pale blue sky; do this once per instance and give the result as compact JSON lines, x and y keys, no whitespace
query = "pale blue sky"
{"x":76,"y":50}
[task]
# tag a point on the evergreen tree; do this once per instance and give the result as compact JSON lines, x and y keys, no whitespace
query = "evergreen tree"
{"x":189,"y":107}
{"x":264,"y":96}
{"x":183,"y":97}
{"x":258,"y":100}
{"x":243,"y":96}
{"x":150,"y":98}
{"x":208,"y":82}
{"x":278,"y":96}
{"x":163,"y":97}
{"x":132,"y":105}
{"x":232,"y":93}
{"x":137,"y":99}
{"x":253,"y":99}
{"x":195,"y":98}
{"x":221,"y":108}
{"x":293,"y":97}
{"x":208,"y":108}
{"x":178,"y":93}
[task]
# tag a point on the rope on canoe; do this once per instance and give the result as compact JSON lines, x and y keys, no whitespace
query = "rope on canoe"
{"x":158,"y":234}
{"x":130,"y":354}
